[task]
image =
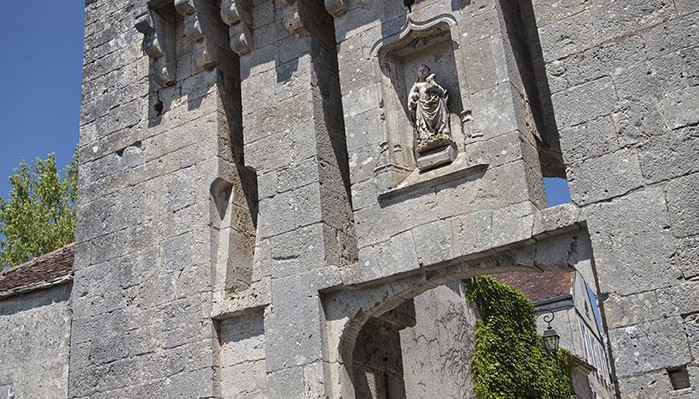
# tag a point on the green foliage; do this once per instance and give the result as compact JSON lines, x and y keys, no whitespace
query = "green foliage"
{"x":39,"y":215}
{"x":510,"y":361}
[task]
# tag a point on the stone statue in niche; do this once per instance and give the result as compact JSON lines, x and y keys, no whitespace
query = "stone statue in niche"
{"x":427,"y":103}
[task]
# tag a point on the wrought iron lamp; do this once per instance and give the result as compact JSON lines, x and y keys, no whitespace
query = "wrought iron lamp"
{"x":551,"y":338}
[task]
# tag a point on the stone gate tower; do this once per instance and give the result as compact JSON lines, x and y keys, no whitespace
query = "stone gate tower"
{"x":279,"y":198}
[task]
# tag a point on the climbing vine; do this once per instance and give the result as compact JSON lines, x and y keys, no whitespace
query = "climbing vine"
{"x":510,"y":361}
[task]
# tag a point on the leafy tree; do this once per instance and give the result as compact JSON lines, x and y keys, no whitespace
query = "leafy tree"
{"x":510,"y":361}
{"x":39,"y":215}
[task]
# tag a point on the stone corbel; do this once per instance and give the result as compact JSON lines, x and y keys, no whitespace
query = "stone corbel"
{"x":193,"y":31}
{"x":159,"y":44}
{"x":236,"y":14}
{"x":291,"y":19}
{"x":335,"y":7}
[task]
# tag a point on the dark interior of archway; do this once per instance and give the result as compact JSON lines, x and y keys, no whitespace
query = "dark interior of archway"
{"x":377,"y":360}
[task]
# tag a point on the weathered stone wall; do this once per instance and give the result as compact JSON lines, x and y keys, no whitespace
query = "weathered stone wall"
{"x":624,"y":82}
{"x":273,"y":123}
{"x":149,"y":156}
{"x":35,"y":343}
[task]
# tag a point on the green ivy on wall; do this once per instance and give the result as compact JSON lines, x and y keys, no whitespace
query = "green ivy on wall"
{"x":509,"y":360}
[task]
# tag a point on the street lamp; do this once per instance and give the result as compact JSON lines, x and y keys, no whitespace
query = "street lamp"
{"x":550,"y":336}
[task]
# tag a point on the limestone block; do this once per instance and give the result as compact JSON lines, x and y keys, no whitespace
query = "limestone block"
{"x":297,"y":251}
{"x":294,"y":303}
{"x":691,"y":325}
{"x":604,"y":177}
{"x":690,"y":70}
{"x":434,"y":159}
{"x":292,"y":78}
{"x":368,"y":231}
{"x":588,"y":140}
{"x":480,"y":26}
{"x":567,"y":36}
{"x":649,"y":346}
{"x":286,"y":383}
{"x":304,"y":140}
{"x":199,"y":84}
{"x":363,"y":162}
{"x":363,"y":130}
{"x":548,"y":11}
{"x":270,"y":33}
{"x":686,"y":6}
{"x":650,"y":385}
{"x":292,"y":48}
{"x":493,"y":111}
{"x":616,"y":19}
{"x":688,"y":255}
{"x":564,"y":216}
{"x":399,"y":255}
{"x":190,"y":384}
{"x":679,"y":108}
{"x":480,"y":192}
{"x":261,"y":60}
{"x":471,"y":232}
{"x":480,"y":65}
{"x":584,"y":102}
{"x":637,"y":121}
{"x":180,"y":188}
{"x":367,"y":268}
{"x":355,"y":67}
{"x":258,"y":91}
{"x":262,"y":123}
{"x":269,"y":153}
{"x":361,"y":100}
{"x":623,"y":311}
{"x":512,"y":224}
{"x":358,"y":18}
{"x":364,"y":194}
{"x":184,"y":67}
{"x":286,"y":211}
{"x":664,"y":74}
{"x":682,"y":299}
{"x":296,"y":175}
{"x":684,"y":214}
{"x":433,"y":242}
{"x":242,"y":355}
{"x":673,"y":35}
{"x":314,"y":380}
{"x":556,"y":76}
{"x":626,"y":264}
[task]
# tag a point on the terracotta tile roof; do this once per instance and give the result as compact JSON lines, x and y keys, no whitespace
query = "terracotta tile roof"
{"x":539,"y":286}
{"x":53,"y":268}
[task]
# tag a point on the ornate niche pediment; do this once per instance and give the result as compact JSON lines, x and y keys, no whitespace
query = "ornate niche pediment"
{"x":422,"y":89}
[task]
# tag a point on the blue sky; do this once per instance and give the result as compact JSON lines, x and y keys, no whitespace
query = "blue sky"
{"x":41,"y":42}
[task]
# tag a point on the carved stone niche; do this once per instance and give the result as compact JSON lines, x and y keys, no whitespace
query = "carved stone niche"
{"x":399,"y":56}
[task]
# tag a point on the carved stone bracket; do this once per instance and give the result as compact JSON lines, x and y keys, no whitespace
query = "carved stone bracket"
{"x":193,"y":31}
{"x":335,"y":7}
{"x":292,"y":21}
{"x":236,"y":14}
{"x":159,"y":44}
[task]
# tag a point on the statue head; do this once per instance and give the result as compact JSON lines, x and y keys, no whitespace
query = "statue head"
{"x":423,"y":71}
